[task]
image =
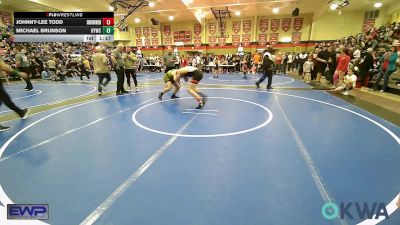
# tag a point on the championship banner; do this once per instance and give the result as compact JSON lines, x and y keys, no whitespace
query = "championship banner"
{"x":212,"y":41}
{"x":167,"y":30}
{"x":146,"y":31}
{"x":236,"y":26}
{"x":139,"y":42}
{"x":273,"y":38}
{"x":297,"y":24}
{"x":197,"y":28}
{"x":154,"y":32}
{"x":223,"y":27}
{"x":296,"y":37}
{"x":138,"y":32}
{"x":6,"y":18}
{"x":286,"y":22}
{"x":212,"y":28}
{"x":221,"y":41}
{"x":154,"y":42}
{"x":247,"y":26}
{"x":262,"y":39}
{"x":235,"y":40}
{"x":263,"y":25}
{"x":246,"y":39}
{"x":368,"y":24}
{"x":197,"y":41}
{"x":168,"y":42}
{"x":275,"y":24}
{"x":147,"y":43}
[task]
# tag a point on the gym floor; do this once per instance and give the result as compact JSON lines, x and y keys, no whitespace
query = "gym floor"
{"x":251,"y":156}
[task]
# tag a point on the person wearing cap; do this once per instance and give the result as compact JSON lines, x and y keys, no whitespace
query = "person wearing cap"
{"x":100,"y":67}
{"x":118,"y":63}
{"x":267,"y":70}
{"x":366,"y":63}
{"x":22,"y":64}
{"x":5,"y":98}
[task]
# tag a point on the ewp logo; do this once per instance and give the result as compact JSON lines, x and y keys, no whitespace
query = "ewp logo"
{"x":331,"y":211}
{"x":28,"y":212}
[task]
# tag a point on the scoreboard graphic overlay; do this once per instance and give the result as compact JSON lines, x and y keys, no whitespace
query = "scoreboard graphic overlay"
{"x":63,"y":27}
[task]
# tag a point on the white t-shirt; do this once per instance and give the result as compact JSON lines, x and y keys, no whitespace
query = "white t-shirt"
{"x":290,"y":58}
{"x":352,"y":78}
{"x":307,"y":67}
{"x":357,"y":54}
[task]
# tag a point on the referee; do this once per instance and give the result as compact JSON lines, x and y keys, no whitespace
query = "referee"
{"x":118,"y":63}
{"x":267,"y":70}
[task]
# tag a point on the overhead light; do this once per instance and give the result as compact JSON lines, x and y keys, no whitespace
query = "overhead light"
{"x":333,"y":6}
{"x":275,"y":10}
{"x":113,"y":6}
{"x":187,"y":2}
{"x":378,"y":4}
{"x":152,"y":4}
{"x":137,"y":20}
{"x":171,"y":18}
{"x":237,"y":13}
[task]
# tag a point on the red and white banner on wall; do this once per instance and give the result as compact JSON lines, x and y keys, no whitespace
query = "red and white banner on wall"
{"x":147,"y":42}
{"x":263,"y":26}
{"x":273,"y":38}
{"x":197,"y":29}
{"x":236,"y":26}
{"x":368,"y":24}
{"x":221,"y":41}
{"x":154,"y":31}
{"x":139,"y":42}
{"x":167,"y":30}
{"x":275,"y":24}
{"x":197,"y":41}
{"x":168,"y":42}
{"x":296,"y":37}
{"x":154,"y":42}
{"x":235,"y":40}
{"x":212,"y":28}
{"x":262,"y":39}
{"x":247,"y":26}
{"x":146,"y":31}
{"x":286,"y":22}
{"x":246,"y":39}
{"x":138,"y":32}
{"x":212,"y":41}
{"x":297,"y":24}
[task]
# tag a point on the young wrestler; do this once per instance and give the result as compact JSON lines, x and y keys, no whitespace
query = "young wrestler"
{"x":195,"y":76}
{"x":169,"y":79}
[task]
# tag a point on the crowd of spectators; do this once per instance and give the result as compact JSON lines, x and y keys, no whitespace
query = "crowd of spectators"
{"x":373,"y":52}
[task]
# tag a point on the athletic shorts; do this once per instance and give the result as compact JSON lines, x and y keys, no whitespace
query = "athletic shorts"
{"x":169,"y":76}
{"x":196,"y":75}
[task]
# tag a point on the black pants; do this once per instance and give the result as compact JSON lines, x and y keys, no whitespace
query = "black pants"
{"x":5,"y":98}
{"x":84,"y":72}
{"x":266,"y":74}
{"x":120,"y":79}
{"x":131,"y":73}
{"x":168,"y":69}
{"x":27,"y":80}
{"x":101,"y":78}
